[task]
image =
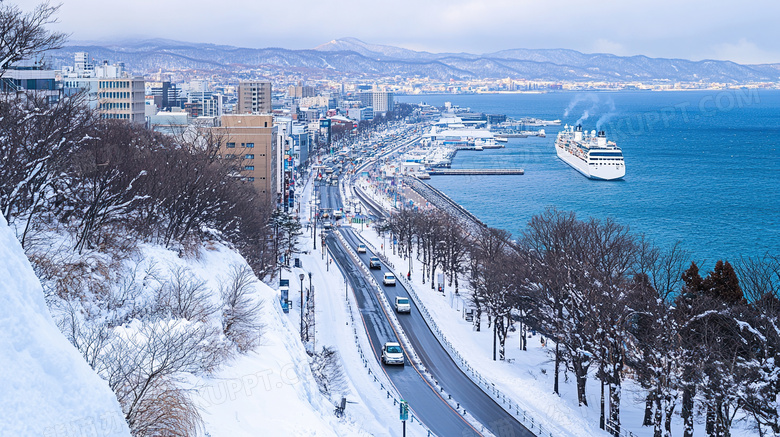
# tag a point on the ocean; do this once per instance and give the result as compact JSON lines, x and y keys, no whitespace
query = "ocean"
{"x":702,"y":167}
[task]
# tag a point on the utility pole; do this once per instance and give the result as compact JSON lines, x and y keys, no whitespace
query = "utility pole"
{"x":301,"y":277}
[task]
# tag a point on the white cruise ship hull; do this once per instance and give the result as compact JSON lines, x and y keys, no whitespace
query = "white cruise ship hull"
{"x":606,"y":172}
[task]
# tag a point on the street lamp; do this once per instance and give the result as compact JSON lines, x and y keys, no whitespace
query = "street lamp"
{"x":301,"y":278}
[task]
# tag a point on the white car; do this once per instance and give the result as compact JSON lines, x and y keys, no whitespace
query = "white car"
{"x":361,"y":248}
{"x":402,"y":305}
{"x":392,"y":353}
{"x":389,"y":279}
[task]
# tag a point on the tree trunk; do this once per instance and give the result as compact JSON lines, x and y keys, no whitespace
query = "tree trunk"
{"x":709,"y":426}
{"x":668,"y":419}
{"x":557,"y":368}
{"x":648,"y":418}
{"x":581,"y":375}
{"x":495,"y":327}
{"x":602,"y":423}
{"x":687,"y":410}
{"x":523,"y":340}
{"x":658,"y":418}
{"x":614,"y":406}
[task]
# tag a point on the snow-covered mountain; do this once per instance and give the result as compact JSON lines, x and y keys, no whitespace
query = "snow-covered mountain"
{"x":46,"y":387}
{"x":352,"y":56}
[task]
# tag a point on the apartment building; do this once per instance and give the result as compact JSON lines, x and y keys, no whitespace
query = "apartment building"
{"x":381,"y":101}
{"x":300,"y":90}
{"x":254,"y":97}
{"x":251,"y":140}
{"x":121,"y":98}
{"x":110,"y":89}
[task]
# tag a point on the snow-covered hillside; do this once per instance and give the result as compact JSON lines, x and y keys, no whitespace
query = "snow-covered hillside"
{"x":269,"y":391}
{"x":46,"y":387}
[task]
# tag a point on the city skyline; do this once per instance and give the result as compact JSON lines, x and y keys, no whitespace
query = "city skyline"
{"x":665,"y":29}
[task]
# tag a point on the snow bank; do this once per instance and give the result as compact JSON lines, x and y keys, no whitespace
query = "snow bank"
{"x":46,"y":387}
{"x":269,"y":391}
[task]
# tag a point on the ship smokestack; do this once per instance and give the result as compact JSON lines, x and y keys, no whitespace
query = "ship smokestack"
{"x":602,"y":139}
{"x":578,"y":133}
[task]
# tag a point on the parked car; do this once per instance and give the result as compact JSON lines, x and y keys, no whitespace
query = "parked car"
{"x":392,"y":353}
{"x":389,"y":279}
{"x":374,"y":263}
{"x":402,"y":305}
{"x":361,"y":248}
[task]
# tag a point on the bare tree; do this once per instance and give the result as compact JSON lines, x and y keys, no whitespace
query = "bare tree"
{"x":24,"y":35}
{"x":488,"y":245}
{"x":551,"y":241}
{"x":240,"y":309}
{"x":184,"y":296}
{"x":36,"y":137}
{"x":456,"y":248}
{"x":655,"y":351}
{"x":326,"y":368}
{"x":141,"y":368}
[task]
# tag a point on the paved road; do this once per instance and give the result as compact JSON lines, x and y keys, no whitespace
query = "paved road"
{"x":424,"y":399}
{"x":426,"y":403}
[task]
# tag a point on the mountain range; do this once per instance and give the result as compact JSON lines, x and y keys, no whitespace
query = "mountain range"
{"x":352,"y":57}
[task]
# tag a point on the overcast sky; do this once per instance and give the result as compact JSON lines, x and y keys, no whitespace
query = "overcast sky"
{"x":746,"y":31}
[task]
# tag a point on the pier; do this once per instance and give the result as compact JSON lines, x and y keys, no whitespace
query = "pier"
{"x":474,"y":172}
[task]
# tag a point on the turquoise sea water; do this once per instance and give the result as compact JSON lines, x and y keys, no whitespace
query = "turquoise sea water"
{"x":702,"y":167}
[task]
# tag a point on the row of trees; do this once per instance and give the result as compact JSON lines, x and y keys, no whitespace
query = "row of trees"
{"x":618,"y":307}
{"x":111,"y":182}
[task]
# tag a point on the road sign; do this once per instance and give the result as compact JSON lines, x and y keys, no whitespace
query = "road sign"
{"x":404,"y":410}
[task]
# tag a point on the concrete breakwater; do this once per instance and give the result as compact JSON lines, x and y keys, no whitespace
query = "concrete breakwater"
{"x":441,"y":201}
{"x":474,"y":172}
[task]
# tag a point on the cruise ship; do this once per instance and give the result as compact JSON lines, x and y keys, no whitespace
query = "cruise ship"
{"x":590,"y":154}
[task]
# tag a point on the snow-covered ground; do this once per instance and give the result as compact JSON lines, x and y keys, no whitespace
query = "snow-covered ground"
{"x":46,"y":387}
{"x":270,"y":390}
{"x":526,"y":377}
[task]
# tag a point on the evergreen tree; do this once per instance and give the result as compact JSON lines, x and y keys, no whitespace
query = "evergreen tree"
{"x":693,"y":282}
{"x":722,"y":284}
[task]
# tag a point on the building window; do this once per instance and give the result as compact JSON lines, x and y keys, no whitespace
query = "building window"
{"x":231,"y":145}
{"x":251,"y":179}
{"x":250,"y":145}
{"x":249,"y":167}
{"x":249,"y":157}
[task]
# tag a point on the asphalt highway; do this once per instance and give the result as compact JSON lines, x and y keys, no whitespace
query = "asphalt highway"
{"x":425,"y":400}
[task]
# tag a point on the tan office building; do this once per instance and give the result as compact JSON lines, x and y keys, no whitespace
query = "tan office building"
{"x":254,"y":97}
{"x":251,"y":139}
{"x":121,"y":98}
